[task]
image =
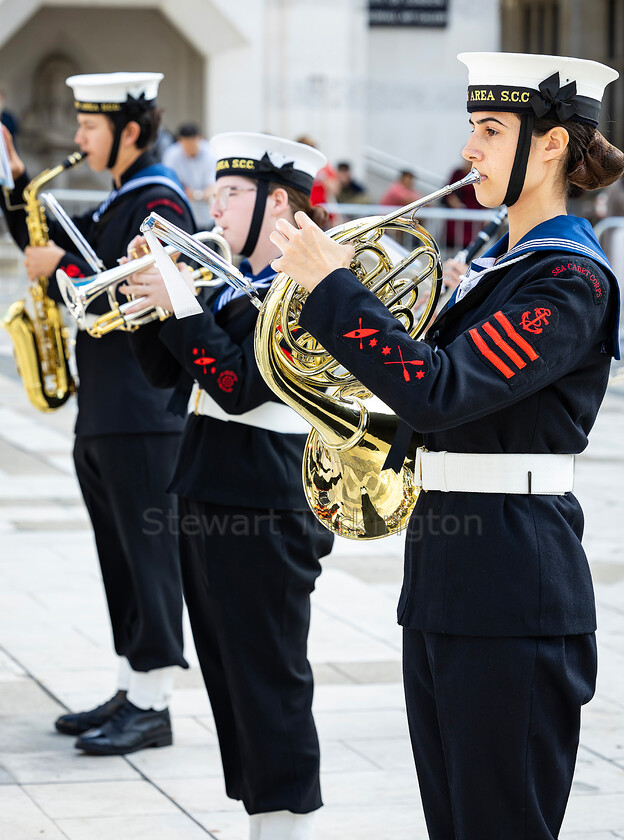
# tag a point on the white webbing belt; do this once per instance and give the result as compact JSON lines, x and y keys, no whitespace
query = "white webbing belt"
{"x":276,"y":417}
{"x":468,"y":472}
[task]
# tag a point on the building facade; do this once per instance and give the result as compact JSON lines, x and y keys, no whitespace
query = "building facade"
{"x":591,"y":29}
{"x":376,"y":83}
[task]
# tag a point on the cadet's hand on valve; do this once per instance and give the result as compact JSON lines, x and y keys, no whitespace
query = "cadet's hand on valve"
{"x":308,"y":254}
{"x":453,"y":271}
{"x":148,"y":284}
{"x":149,"y":287}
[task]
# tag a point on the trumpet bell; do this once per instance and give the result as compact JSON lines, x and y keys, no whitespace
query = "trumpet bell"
{"x":77,"y":294}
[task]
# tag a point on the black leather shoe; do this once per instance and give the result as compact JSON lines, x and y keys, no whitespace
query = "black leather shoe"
{"x":79,"y":722}
{"x":129,"y":730}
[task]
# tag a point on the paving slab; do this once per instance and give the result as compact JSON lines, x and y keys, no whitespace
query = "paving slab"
{"x":160,"y":827}
{"x":22,"y":819}
{"x":56,"y":653}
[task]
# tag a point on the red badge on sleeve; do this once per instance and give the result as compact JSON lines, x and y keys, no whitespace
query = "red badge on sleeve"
{"x":72,"y":270}
{"x":408,"y":365}
{"x":203,"y":360}
{"x":535,"y":320}
{"x":227,"y":380}
{"x":165,"y":202}
{"x":360,"y":333}
{"x":506,"y":349}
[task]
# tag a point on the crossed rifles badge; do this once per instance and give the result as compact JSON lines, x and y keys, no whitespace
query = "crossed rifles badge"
{"x":362,"y":333}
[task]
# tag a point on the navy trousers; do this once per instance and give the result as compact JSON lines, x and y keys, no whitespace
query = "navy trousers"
{"x":248,"y":574}
{"x":123,"y":479}
{"x":495,"y":724}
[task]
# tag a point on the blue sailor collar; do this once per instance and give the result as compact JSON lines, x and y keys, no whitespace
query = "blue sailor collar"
{"x":147,"y":176}
{"x":262,"y":280}
{"x":569,"y":234}
{"x":267,"y":273}
{"x":562,"y":233}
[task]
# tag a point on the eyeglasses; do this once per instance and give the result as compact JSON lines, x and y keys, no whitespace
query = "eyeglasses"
{"x":223,"y":195}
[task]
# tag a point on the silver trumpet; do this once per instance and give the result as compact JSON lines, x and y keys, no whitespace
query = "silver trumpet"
{"x":79,"y":294}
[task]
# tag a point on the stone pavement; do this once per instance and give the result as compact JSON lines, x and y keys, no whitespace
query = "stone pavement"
{"x":55,"y":654}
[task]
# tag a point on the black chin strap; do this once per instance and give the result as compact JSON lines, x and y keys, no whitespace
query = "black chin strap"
{"x":112,"y":158}
{"x":518,"y":170}
{"x":256,"y":219}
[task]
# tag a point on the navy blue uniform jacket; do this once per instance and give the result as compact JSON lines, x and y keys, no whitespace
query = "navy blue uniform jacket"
{"x":519,"y":365}
{"x":223,"y":462}
{"x":113,"y":396}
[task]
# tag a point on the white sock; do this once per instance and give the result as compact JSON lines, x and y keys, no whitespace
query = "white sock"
{"x":124,"y":673}
{"x":281,"y":825}
{"x":151,"y":689}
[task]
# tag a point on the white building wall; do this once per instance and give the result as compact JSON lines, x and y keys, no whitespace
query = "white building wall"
{"x":417,"y":87}
{"x":300,"y":72}
{"x":287,"y":67}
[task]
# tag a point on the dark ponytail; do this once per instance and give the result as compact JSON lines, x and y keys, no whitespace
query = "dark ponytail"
{"x":591,"y":162}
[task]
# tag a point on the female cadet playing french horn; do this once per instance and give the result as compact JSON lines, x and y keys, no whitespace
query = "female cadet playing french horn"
{"x":499,"y":645}
{"x":249,"y":546}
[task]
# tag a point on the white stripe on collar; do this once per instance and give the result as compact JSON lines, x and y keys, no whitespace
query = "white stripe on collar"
{"x":230,"y":293}
{"x":553,"y":243}
{"x":473,"y":278}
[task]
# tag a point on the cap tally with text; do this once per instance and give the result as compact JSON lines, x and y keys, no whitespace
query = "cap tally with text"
{"x":568,"y":88}
{"x":267,"y":158}
{"x":110,"y":93}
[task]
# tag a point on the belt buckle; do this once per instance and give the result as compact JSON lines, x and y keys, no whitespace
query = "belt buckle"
{"x":418,"y":467}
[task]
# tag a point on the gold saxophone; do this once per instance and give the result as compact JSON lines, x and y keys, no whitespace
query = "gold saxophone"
{"x":40,"y":342}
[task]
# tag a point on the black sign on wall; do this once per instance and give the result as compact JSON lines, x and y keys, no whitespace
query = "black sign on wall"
{"x":408,"y":12}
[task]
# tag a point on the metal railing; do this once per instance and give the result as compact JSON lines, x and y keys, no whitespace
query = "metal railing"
{"x":439,"y":221}
{"x":76,"y":202}
{"x":388,"y":166}
{"x":610,"y":235}
{"x":605,"y":227}
{"x":452,"y":229}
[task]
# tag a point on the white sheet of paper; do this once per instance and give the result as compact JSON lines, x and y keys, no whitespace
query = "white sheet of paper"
{"x":6,"y":177}
{"x":182,"y":297}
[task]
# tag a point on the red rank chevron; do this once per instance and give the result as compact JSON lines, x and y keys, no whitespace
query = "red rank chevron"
{"x":503,"y":355}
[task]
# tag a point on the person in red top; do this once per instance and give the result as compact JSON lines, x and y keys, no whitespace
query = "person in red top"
{"x":402,"y":191}
{"x":326,"y":185}
{"x":459,"y":234}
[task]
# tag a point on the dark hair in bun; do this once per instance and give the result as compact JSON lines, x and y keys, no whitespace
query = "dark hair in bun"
{"x":300,"y":201}
{"x":591,"y":163}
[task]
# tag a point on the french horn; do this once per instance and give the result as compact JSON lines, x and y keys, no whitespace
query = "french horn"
{"x":348,"y":486}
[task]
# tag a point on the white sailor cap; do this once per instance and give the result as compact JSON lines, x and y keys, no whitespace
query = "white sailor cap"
{"x":570,"y":88}
{"x":267,"y":158}
{"x":108,"y":93}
